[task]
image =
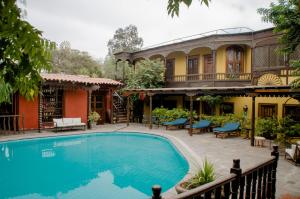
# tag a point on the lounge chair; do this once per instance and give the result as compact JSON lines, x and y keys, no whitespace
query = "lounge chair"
{"x":230,"y":128}
{"x":202,"y":125}
{"x":293,"y":154}
{"x":176,"y":123}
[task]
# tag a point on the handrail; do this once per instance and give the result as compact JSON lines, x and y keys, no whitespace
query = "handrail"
{"x":205,"y":188}
{"x":258,"y":180}
{"x":210,"y":76}
{"x":11,"y":123}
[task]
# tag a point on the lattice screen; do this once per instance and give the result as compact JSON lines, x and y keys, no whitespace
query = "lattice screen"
{"x":267,"y":56}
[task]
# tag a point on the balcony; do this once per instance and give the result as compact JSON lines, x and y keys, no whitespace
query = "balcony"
{"x":210,"y":79}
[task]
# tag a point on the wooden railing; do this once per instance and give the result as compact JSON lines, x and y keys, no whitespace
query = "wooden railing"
{"x":11,"y":123}
{"x":257,"y":182}
{"x":210,"y":77}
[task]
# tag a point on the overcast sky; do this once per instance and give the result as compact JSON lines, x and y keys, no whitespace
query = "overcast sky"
{"x":89,"y":24}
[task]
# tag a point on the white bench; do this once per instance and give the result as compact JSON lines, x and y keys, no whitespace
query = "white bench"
{"x":68,"y":123}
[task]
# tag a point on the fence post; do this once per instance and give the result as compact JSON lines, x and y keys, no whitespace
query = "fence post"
{"x":236,"y":169}
{"x":274,"y":153}
{"x":156,"y":190}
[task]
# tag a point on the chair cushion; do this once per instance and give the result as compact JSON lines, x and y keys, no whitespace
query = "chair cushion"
{"x":58,"y":122}
{"x":68,"y":120}
{"x":202,"y":124}
{"x":291,"y":152}
{"x":76,"y":120}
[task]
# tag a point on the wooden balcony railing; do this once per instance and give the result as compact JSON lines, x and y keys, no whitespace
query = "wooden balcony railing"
{"x":211,"y":77}
{"x":257,"y":182}
{"x":11,"y":123}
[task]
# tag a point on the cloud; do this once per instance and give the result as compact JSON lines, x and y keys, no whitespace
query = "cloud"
{"x":89,"y":24}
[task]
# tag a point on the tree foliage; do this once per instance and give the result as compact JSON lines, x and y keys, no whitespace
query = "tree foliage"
{"x":286,"y":18}
{"x":71,"y":61}
{"x":148,"y":74}
{"x":23,"y":53}
{"x":125,"y":39}
{"x":173,"y":5}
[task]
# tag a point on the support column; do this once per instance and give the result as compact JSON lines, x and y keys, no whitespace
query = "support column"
{"x":150,"y":111}
{"x":253,"y":120}
{"x":111,"y":106}
{"x":128,"y":109}
{"x":191,"y":95}
{"x":214,"y":61}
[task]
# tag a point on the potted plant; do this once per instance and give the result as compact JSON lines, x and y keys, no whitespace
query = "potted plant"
{"x":93,"y":118}
{"x":205,"y":175}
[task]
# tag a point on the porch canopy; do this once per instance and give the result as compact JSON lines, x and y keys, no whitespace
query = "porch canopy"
{"x":246,"y":91}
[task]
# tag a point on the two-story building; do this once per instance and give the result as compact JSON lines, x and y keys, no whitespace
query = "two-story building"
{"x":227,"y":58}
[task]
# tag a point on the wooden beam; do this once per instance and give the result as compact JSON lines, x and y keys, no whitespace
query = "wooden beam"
{"x":150,"y":111}
{"x":191,"y":116}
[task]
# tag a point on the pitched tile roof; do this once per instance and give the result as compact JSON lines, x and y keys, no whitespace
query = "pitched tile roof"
{"x":79,"y":79}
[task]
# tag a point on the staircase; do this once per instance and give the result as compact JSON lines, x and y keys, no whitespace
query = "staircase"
{"x":119,"y":106}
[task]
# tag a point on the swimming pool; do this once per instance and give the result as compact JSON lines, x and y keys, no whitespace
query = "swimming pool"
{"x":98,"y":165}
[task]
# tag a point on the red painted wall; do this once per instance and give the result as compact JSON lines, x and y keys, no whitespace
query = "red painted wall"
{"x":108,"y":105}
{"x":30,"y":109}
{"x":76,"y":104}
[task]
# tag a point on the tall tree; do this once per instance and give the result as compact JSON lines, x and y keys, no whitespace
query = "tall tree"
{"x":173,"y":5}
{"x":286,"y":18}
{"x":24,"y":53}
{"x":71,"y":61}
{"x":124,"y":39}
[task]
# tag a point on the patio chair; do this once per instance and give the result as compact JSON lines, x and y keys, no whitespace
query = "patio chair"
{"x":230,"y":128}
{"x":202,"y":125}
{"x":293,"y":154}
{"x":181,"y":122}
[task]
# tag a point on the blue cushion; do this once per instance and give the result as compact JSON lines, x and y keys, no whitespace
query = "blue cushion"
{"x":201,"y":124}
{"x":177,"y":122}
{"x":230,"y":126}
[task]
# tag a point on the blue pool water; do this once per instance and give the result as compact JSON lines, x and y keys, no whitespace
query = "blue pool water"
{"x":99,"y":165}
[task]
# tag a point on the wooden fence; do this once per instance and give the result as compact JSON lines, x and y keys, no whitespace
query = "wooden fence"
{"x":257,"y":182}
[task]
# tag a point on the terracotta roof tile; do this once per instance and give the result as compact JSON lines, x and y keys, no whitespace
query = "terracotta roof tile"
{"x":80,"y":79}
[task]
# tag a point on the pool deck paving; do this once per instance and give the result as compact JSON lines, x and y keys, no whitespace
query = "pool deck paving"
{"x":220,"y":152}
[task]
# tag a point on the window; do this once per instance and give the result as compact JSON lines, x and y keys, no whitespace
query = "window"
{"x":293,"y":111}
{"x":234,"y":59}
{"x":227,"y":108}
{"x":267,"y":110}
{"x":170,"y":65}
{"x":192,"y":68}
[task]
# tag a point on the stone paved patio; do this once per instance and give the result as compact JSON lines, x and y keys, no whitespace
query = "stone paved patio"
{"x":219,"y":151}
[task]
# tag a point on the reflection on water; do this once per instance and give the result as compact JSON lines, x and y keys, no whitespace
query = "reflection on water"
{"x":6,"y":152}
{"x":100,"y":166}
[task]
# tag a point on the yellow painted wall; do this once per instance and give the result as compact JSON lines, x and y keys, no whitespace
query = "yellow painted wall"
{"x":200,"y":52}
{"x":247,"y":59}
{"x":221,"y":60}
{"x":239,"y":103}
{"x":180,"y":62}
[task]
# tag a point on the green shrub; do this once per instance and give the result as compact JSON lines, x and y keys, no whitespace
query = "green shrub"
{"x":166,"y":115}
{"x":93,"y":117}
{"x":205,"y":175}
{"x":267,"y":127}
{"x":220,"y":120}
